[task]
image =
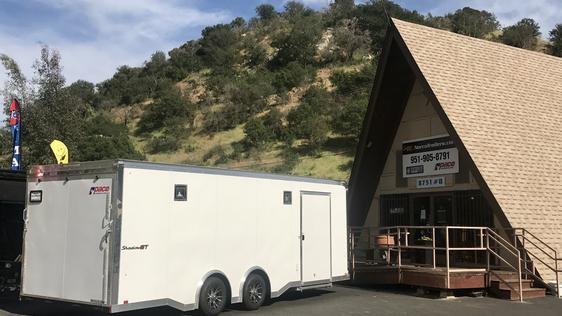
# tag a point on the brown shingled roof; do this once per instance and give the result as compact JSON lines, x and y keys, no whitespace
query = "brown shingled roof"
{"x":505,"y":105}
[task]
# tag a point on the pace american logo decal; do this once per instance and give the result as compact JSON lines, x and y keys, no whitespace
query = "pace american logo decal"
{"x":102,"y":189}
{"x":445,"y":165}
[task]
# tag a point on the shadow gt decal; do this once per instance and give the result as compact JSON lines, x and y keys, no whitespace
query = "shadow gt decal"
{"x":139,"y":247}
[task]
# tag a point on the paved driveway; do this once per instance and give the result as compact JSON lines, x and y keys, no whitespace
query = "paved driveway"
{"x":340,"y":300}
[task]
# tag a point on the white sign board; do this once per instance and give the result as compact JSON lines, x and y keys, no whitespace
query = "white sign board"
{"x":435,"y":182}
{"x":429,"y":157}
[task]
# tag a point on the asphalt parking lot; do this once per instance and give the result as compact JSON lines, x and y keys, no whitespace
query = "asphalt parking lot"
{"x":339,"y":300}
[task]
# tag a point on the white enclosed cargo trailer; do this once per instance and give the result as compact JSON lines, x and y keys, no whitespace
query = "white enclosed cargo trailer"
{"x":126,"y":235}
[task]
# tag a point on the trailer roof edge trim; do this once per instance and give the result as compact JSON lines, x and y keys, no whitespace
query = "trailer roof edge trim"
{"x":110,"y":165}
{"x":221,"y":171}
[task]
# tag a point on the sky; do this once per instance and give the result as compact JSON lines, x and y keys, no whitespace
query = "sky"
{"x":94,"y":37}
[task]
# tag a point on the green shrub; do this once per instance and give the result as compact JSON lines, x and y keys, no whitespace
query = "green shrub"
{"x":189,"y":148}
{"x":349,"y":121}
{"x":170,"y":111}
{"x":105,"y":139}
{"x":289,"y":77}
{"x":348,"y":83}
{"x":290,"y":160}
{"x":163,"y":143}
{"x":257,"y":134}
{"x":273,"y":120}
{"x":216,"y":151}
{"x":310,"y":120}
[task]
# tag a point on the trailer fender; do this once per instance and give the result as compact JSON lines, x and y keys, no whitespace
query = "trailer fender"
{"x":204,"y":278}
{"x":243,"y":280}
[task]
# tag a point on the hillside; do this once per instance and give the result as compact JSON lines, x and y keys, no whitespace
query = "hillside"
{"x":284,"y":92}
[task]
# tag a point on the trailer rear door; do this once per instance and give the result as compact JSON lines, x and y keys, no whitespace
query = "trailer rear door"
{"x":315,"y":237}
{"x":65,"y":247}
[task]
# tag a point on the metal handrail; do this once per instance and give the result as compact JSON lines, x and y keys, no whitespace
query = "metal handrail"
{"x":486,"y":232}
{"x":526,"y":232}
{"x":525,"y":239}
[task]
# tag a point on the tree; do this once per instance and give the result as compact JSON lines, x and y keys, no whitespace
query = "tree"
{"x":523,"y":34}
{"x":354,"y":82}
{"x":293,"y":9}
{"x":349,"y":121}
{"x":85,"y":91}
{"x":127,"y":86}
{"x":310,"y":119}
{"x":156,"y":64}
{"x":257,"y":134}
{"x":273,"y":120}
{"x":289,"y":77}
{"x":54,"y":114}
{"x":185,"y":57}
{"x":171,"y":111}
{"x":266,"y":12}
{"x":238,"y":22}
{"x":472,"y":22}
{"x":440,"y":22}
{"x":373,"y":18}
{"x":256,"y":54}
{"x":556,"y":40}
{"x":339,"y":10}
{"x":105,"y":139}
{"x":219,"y":48}
{"x":299,"y":44}
{"x":349,"y":38}
{"x":16,"y":86}
{"x":244,"y":97}
{"x":5,"y":147}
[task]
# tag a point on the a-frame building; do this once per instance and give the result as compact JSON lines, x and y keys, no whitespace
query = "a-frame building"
{"x":463,"y":132}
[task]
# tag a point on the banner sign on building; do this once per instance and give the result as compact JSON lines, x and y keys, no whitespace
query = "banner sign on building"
{"x":429,"y":157}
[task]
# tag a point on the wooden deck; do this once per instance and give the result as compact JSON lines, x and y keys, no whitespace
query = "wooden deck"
{"x":422,"y":276}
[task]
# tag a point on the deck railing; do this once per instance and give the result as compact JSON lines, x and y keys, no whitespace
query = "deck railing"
{"x":529,"y":243}
{"x":400,"y":241}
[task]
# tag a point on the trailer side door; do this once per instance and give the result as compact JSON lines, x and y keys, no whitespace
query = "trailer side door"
{"x":315,"y":237}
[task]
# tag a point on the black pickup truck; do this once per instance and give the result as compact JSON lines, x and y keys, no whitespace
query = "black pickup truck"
{"x":12,"y":203}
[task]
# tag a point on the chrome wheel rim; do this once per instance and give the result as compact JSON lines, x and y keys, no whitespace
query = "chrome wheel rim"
{"x":215,"y":298}
{"x":256,"y":293}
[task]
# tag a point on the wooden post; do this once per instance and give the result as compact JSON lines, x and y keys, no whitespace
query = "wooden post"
{"x":399,"y":250}
{"x":433,"y":245}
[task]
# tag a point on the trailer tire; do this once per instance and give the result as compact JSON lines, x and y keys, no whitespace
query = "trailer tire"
{"x":255,"y":291}
{"x":213,"y":297}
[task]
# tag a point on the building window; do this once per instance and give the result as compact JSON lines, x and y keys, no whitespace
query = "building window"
{"x":394,"y":210}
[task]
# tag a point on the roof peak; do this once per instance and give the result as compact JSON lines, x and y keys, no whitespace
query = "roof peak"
{"x":470,"y":38}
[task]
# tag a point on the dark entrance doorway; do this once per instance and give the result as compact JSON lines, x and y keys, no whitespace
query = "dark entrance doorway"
{"x":454,"y":208}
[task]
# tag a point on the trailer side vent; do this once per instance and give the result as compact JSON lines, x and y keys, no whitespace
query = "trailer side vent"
{"x":180,"y":192}
{"x":287,"y":197}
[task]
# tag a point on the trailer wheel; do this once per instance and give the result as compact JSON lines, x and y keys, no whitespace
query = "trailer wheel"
{"x":255,"y":291}
{"x":212,"y":299}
